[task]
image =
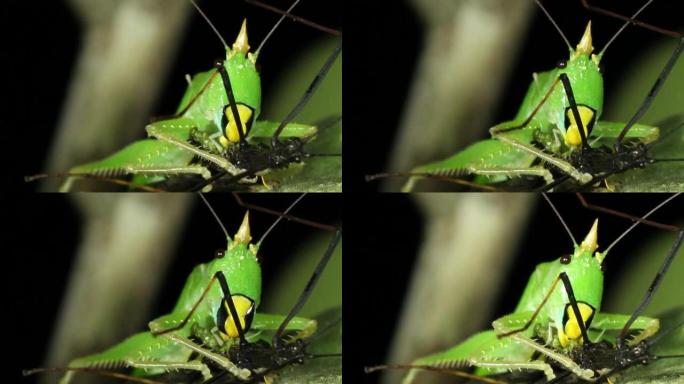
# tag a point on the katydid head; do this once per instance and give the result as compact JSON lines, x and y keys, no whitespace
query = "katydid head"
{"x":583,"y":270}
{"x":582,"y":291}
{"x":242,"y":102}
{"x":584,"y":73}
{"x":240,"y":267}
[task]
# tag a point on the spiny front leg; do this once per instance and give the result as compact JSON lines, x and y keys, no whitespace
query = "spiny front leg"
{"x":162,"y":130}
{"x":222,"y":361}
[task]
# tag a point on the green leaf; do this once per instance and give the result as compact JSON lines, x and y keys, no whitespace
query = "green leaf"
{"x":323,"y":370}
{"x":319,"y":174}
{"x":666,"y":112}
{"x":664,"y":371}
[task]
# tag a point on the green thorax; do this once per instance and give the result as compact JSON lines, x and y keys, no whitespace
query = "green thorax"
{"x":586,"y":80}
{"x":241,"y":268}
{"x":208,"y":95}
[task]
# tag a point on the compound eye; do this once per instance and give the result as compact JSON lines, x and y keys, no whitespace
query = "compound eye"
{"x":219,"y":253}
{"x":565,"y":259}
{"x":561,"y":64}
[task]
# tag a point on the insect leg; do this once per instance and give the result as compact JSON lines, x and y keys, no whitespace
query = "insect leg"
{"x":494,"y":131}
{"x":231,"y":99}
{"x":70,"y":371}
{"x":446,"y":371}
{"x":616,"y":322}
{"x":660,"y":81}
{"x":575,"y":112}
{"x":564,"y":360}
{"x":226,"y":296}
{"x":66,"y":187}
{"x":653,"y":287}
{"x":194,"y":365}
{"x":504,"y":332}
{"x":309,"y":287}
{"x":427,"y":175}
{"x":308,"y":93}
{"x":158,"y":132}
{"x":561,"y":164}
{"x":234,"y":177}
{"x":575,"y":308}
{"x":531,"y":319}
{"x":220,"y":360}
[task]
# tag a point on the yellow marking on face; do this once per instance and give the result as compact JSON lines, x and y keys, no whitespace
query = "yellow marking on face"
{"x":243,"y":305}
{"x":231,"y":130}
{"x":571,"y":329}
{"x":572,"y":136}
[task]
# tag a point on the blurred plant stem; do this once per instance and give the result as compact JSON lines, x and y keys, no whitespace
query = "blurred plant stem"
{"x":466,"y":236}
{"x":126,"y":246}
{"x":468,"y":51}
{"x":127,"y":47}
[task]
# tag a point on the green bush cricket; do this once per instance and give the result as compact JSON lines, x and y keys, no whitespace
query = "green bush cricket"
{"x":606,"y":358}
{"x":204,"y":128}
{"x":543,"y":140}
{"x":242,"y":257}
{"x":491,"y":349}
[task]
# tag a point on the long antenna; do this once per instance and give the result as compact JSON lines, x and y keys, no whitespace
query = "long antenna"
{"x":548,"y":16}
{"x":225,"y":45}
{"x":657,"y":207}
{"x":211,"y":209}
{"x":567,"y":229}
{"x":277,"y":24}
{"x":281,"y":217}
{"x":628,"y":22}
